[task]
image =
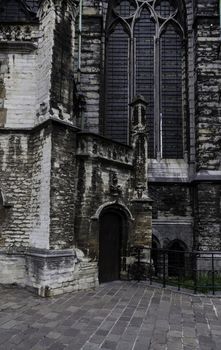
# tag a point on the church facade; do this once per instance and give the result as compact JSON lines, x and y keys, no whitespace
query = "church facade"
{"x":110,"y":136}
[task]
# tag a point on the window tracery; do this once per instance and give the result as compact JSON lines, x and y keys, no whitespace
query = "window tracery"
{"x":145,"y":55}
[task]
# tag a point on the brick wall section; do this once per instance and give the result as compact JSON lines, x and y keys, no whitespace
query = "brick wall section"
{"x":208,"y":80}
{"x":63,"y":186}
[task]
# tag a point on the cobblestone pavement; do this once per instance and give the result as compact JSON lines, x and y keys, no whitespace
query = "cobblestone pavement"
{"x":117,"y":315}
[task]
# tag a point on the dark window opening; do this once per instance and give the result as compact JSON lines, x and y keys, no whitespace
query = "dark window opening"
{"x":116,"y":107}
{"x":145,"y":56}
{"x":176,"y":260}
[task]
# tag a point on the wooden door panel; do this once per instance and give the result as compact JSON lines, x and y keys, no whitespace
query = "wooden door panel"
{"x":109,"y":247}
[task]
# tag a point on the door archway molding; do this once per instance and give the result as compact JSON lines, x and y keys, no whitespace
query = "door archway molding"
{"x":115,"y":205}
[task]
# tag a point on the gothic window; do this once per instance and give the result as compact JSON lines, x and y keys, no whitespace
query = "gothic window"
{"x":145,"y":55}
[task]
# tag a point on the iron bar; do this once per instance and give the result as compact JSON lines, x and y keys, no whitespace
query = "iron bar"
{"x":195,"y":270}
{"x":213,"y":275}
{"x":164,"y":269}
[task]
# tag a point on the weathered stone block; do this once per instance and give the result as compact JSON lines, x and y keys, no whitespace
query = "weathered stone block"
{"x":3,"y":116}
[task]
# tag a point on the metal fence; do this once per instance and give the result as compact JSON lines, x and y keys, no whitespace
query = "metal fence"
{"x":199,"y":271}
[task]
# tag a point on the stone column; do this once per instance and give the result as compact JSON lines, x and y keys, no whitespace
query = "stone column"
{"x":141,"y":203}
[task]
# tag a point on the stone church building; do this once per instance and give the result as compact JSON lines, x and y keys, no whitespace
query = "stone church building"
{"x":110,"y":136}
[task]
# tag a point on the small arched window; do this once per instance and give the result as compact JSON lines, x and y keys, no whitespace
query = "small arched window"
{"x":145,"y":55}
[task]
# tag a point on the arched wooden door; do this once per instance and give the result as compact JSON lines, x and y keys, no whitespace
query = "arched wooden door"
{"x":110,"y":241}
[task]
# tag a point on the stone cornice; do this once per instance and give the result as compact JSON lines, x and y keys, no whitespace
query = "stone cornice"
{"x":44,"y":124}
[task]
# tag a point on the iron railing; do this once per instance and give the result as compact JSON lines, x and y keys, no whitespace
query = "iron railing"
{"x":199,"y":271}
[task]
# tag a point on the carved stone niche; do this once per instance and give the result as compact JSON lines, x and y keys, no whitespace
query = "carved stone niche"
{"x":114,"y":188}
{"x":140,"y":145}
{"x":139,"y":122}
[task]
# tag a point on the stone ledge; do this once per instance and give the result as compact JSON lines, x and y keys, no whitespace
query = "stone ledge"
{"x":45,"y":123}
{"x":18,"y":46}
{"x":45,"y":253}
{"x":207,"y":175}
{"x":168,"y":170}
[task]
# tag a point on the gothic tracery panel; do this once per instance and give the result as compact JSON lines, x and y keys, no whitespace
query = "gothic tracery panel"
{"x":171,"y":93}
{"x":116,"y":108}
{"x":144,"y":68}
{"x":147,"y":53}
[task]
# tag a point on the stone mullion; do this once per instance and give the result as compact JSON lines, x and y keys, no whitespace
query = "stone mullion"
{"x":131,"y":80}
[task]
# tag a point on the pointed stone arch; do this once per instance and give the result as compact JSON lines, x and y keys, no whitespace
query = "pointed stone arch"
{"x":112,"y":223}
{"x":145,"y":56}
{"x":115,"y":204}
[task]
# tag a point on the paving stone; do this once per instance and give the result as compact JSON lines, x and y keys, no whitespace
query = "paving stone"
{"x":124,"y":346}
{"x":108,"y":344}
{"x":117,"y":315}
{"x":53,"y":335}
{"x":90,"y":346}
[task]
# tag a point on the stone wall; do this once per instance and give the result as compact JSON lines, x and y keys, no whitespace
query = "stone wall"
{"x":104,"y":176}
{"x":15,"y":183}
{"x":208,"y":125}
{"x":40,"y":148}
{"x":208,"y":216}
{"x":36,"y":67}
{"x":62,"y":74}
{"x":172,"y":213}
{"x":46,"y":16}
{"x":13,"y":268}
{"x":208,"y":80}
{"x":55,"y":272}
{"x":25,"y":183}
{"x":18,"y":74}
{"x":170,"y":200}
{"x":37,"y":211}
{"x":26,"y":54}
{"x":90,"y":65}
{"x":63,"y":186}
